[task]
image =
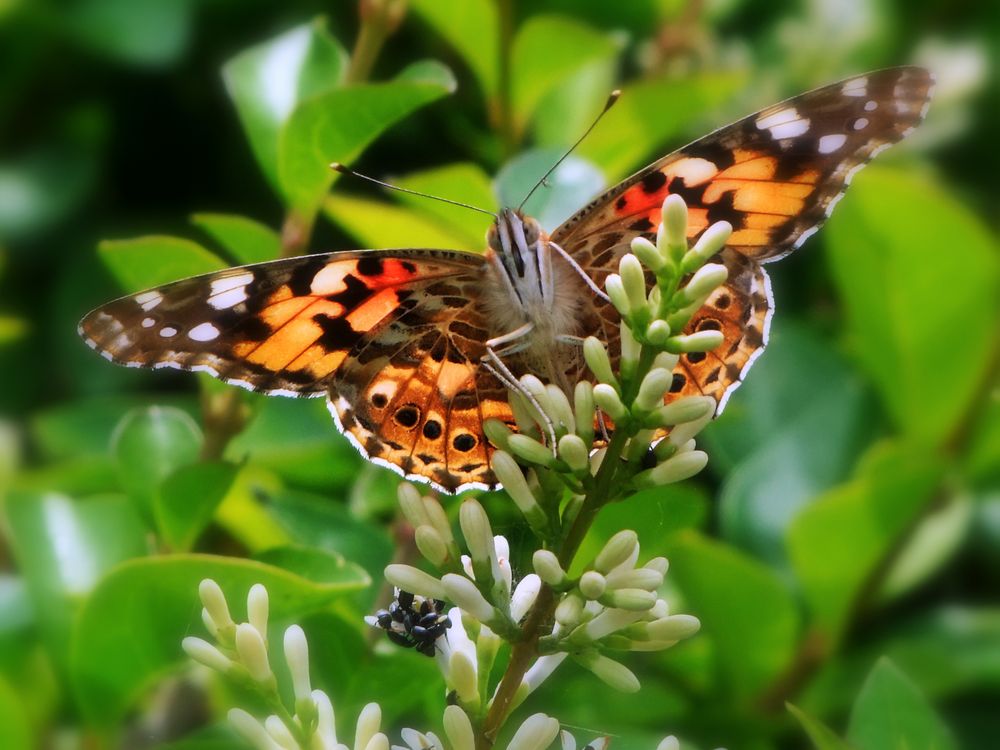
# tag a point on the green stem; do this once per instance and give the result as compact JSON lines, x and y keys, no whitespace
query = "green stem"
{"x":379,"y":19}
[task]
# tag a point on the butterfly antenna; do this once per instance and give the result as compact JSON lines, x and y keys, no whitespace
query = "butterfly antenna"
{"x":338,"y":167}
{"x":612,"y":98}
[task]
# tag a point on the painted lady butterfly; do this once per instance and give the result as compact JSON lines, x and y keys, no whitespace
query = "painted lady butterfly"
{"x":413,"y":348}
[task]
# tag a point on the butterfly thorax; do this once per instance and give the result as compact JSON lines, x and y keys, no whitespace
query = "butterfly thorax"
{"x":532,"y":299}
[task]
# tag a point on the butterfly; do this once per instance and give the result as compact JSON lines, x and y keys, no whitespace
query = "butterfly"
{"x":415,"y":349}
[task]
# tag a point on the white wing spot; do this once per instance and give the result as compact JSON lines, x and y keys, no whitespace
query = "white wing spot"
{"x":148,"y":323}
{"x":855,"y":87}
{"x":792,"y":129}
{"x":148,"y":300}
{"x":229,"y":298}
{"x":168,"y":331}
{"x":830,"y":143}
{"x":203,"y":332}
{"x":861,"y":123}
{"x":871,"y":105}
{"x":787,"y":114}
{"x":225,"y":283}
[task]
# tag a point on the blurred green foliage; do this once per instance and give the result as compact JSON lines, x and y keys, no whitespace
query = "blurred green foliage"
{"x":842,"y":555}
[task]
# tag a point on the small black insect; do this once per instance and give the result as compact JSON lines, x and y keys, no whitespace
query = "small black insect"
{"x":412,"y":621}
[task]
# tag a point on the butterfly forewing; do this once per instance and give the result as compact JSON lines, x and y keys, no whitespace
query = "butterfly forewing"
{"x":775,"y":176}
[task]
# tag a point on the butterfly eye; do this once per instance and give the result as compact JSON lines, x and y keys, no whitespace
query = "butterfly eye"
{"x":531,"y":230}
{"x":493,"y":239}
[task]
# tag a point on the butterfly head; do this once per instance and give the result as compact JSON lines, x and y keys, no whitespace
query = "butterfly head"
{"x":514,"y":238}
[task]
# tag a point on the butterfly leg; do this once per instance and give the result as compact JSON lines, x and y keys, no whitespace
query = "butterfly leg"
{"x":580,"y":272}
{"x":492,"y":362}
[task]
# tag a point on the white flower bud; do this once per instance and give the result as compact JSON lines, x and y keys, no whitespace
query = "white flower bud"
{"x":251,"y":730}
{"x":673,"y":627}
{"x":431,"y":545}
{"x":666,"y":360}
{"x":209,"y":624}
{"x":647,"y":253}
{"x":610,"y":672}
{"x":617,"y":294}
{"x":633,"y":280}
{"x":569,"y":610}
{"x":525,"y":414}
{"x":596,"y":356}
{"x":477,"y":532}
{"x":566,"y":741}
{"x":509,"y":474}
{"x":637,"y":578}
{"x":630,"y":349}
{"x":657,"y":333}
{"x":462,"y":674}
{"x":253,"y":653}
{"x":583,"y":412}
{"x":530,"y":450}
{"x":257,"y":609}
{"x":687,"y":409}
{"x":378,"y":742}
{"x":699,"y":341}
{"x":467,"y":597}
{"x":408,"y":578}
{"x":574,"y":452}
{"x":326,"y":722}
{"x":369,"y":721}
{"x":671,"y":239}
{"x":497,"y":432}
{"x":560,"y":410}
{"x":541,"y":670}
{"x":659,"y":564}
{"x":617,"y":550}
{"x":297,"y":656}
{"x":592,"y":585}
{"x":658,"y":610}
{"x":277,"y":729}
{"x":610,"y":402}
{"x":635,"y":600}
{"x":458,"y":728}
{"x":215,"y":602}
{"x":669,"y":743}
{"x":547,"y":567}
{"x":653,"y":388}
{"x":607,"y":622}
{"x":705,"y":281}
{"x":712,"y":240}
{"x":680,"y":467}
{"x":439,"y":520}
{"x":536,"y":733}
{"x":205,"y":653}
{"x":411,"y":504}
{"x":524,"y":596}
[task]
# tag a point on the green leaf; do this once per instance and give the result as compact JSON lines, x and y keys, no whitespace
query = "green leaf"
{"x":472,"y":28}
{"x":744,"y":608}
{"x":949,"y":651}
{"x":823,"y":738}
{"x":15,"y":732}
{"x":920,"y":279}
{"x":152,"y":32}
{"x":267,"y":82}
{"x":376,"y":224}
{"x":129,"y":631}
{"x":891,"y":713}
{"x":317,"y":565}
{"x":12,"y":329}
{"x":800,"y":425}
{"x":148,"y":445}
{"x":339,"y":125}
{"x":187,"y":500}
{"x":573,"y":183}
{"x":983,"y":458}
{"x":84,"y":427}
{"x":572,"y":106}
{"x":145,"y":262}
{"x":466,"y":182}
{"x":298,"y":441}
{"x":873,"y":511}
{"x":62,"y":548}
{"x":652,"y":112}
{"x":548,"y":50}
{"x":245,"y":240}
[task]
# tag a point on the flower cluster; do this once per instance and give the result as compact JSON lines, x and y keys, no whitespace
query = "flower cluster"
{"x":240,"y":653}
